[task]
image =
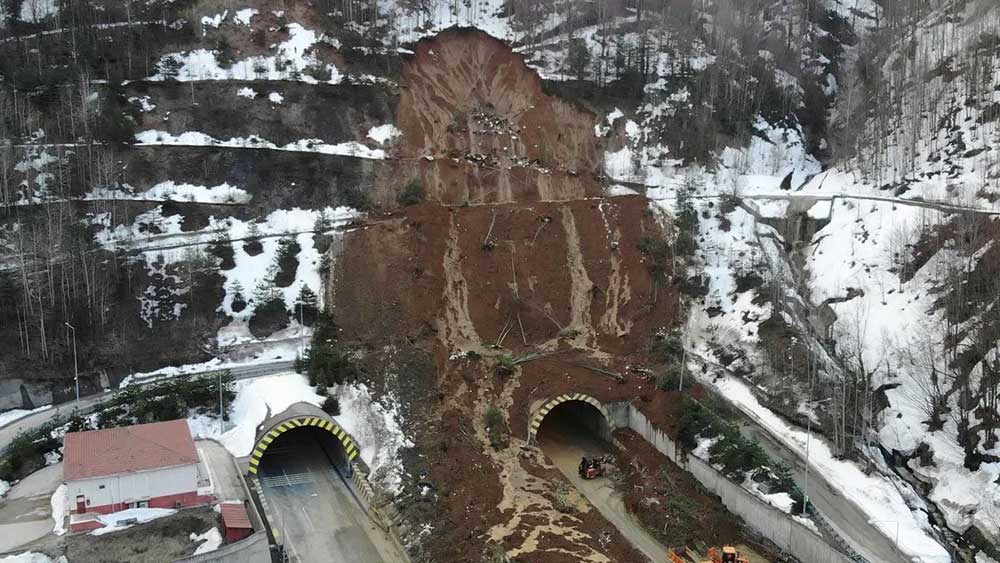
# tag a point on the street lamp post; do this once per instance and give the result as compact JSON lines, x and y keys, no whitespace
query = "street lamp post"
{"x":222,"y":411}
{"x":805,"y":481}
{"x":302,"y":332}
{"x":76,"y":372}
{"x":896,"y":522}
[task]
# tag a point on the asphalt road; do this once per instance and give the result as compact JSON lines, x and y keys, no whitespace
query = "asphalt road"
{"x":26,"y":511}
{"x":847,"y":518}
{"x":87,"y":405}
{"x":314,"y":510}
{"x":564,"y":443}
{"x":222,"y":469}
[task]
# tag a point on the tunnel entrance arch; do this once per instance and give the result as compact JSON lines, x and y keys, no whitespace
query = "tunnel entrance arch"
{"x":298,"y":420}
{"x":592,"y":414}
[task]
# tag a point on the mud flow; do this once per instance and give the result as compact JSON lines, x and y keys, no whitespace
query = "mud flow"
{"x":574,"y":430}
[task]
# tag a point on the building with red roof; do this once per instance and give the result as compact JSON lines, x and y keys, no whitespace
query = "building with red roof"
{"x":143,"y":466}
{"x":235,"y":521}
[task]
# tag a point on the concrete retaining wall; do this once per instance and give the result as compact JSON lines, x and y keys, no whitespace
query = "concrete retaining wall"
{"x":788,"y":534}
{"x":253,"y":549}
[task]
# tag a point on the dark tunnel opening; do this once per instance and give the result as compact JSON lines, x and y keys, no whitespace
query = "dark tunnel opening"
{"x":305,"y":443}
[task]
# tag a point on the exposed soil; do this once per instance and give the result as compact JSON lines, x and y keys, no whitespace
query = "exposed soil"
{"x":477,"y":127}
{"x":672,"y":504}
{"x":539,"y":292}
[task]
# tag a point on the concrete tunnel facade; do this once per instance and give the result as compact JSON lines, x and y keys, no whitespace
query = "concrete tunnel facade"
{"x":295,"y":418}
{"x":602,"y":424}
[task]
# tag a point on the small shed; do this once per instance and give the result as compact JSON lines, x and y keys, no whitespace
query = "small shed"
{"x":235,"y":522}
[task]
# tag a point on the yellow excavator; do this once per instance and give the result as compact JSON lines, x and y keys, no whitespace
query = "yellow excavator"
{"x":727,"y":554}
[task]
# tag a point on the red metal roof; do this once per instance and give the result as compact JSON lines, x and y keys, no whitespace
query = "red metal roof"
{"x":234,"y":515}
{"x":113,"y":451}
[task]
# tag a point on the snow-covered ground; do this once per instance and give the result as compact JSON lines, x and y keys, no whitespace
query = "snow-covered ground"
{"x":171,"y":191}
{"x":375,"y":425}
{"x":198,"y":139}
{"x":853,"y":247}
{"x":250,"y":281}
{"x":32,"y":557}
{"x":16,"y":414}
{"x":139,"y":515}
{"x":292,"y":59}
{"x":878,"y":497}
{"x":250,"y":408}
{"x":60,"y":509}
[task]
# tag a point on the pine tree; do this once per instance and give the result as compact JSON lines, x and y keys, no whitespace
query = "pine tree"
{"x":307,"y":305}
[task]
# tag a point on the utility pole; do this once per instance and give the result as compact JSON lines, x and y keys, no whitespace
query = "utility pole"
{"x":76,"y":372}
{"x":684,"y":352}
{"x":805,"y":480}
{"x":221,"y":408}
{"x":302,"y":332}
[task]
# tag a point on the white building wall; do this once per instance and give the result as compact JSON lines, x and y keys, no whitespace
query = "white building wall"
{"x":129,"y":487}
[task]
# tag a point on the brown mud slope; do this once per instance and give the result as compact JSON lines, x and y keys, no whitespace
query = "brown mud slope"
{"x":551,"y":275}
{"x":465,"y":310}
{"x":477,"y":127}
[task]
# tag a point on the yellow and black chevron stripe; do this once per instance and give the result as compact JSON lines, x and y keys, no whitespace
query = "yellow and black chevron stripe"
{"x":349,"y":444}
{"x":266,"y":508}
{"x":536,"y":419}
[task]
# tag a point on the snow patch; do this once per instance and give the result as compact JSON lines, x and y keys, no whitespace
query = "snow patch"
{"x":247,"y":92}
{"x":375,"y":425}
{"x":17,"y":414}
{"x":198,"y":139}
{"x":275,"y":98}
{"x":212,"y":540}
{"x":32,"y":557}
{"x":291,"y":60}
{"x":242,"y":17}
{"x":35,"y":11}
{"x":253,"y":397}
{"x":383,"y":133}
{"x":213,"y":21}
{"x":143,"y":103}
{"x":60,"y":508}
{"x":114,"y":522}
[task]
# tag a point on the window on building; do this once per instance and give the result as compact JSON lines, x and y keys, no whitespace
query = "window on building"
{"x":100,"y":487}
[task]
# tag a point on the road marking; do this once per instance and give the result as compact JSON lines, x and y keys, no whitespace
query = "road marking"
{"x":308,"y":519}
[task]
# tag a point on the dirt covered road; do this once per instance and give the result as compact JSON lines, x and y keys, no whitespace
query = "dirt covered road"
{"x":565,"y":442}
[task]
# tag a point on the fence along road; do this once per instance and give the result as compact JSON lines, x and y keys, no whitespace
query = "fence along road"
{"x":87,"y":405}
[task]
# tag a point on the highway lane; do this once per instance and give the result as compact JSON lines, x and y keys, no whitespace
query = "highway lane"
{"x":564,"y":443}
{"x":846,"y":518}
{"x":87,"y":405}
{"x":849,"y":521}
{"x":315,"y":511}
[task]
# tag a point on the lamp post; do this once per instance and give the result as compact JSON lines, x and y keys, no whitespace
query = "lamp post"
{"x":222,"y":411}
{"x":896,"y":522}
{"x":805,"y":482}
{"x":302,"y":332}
{"x":76,"y":372}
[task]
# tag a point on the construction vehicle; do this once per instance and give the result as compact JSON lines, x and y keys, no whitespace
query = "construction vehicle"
{"x":591,"y":468}
{"x":728,"y":554}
